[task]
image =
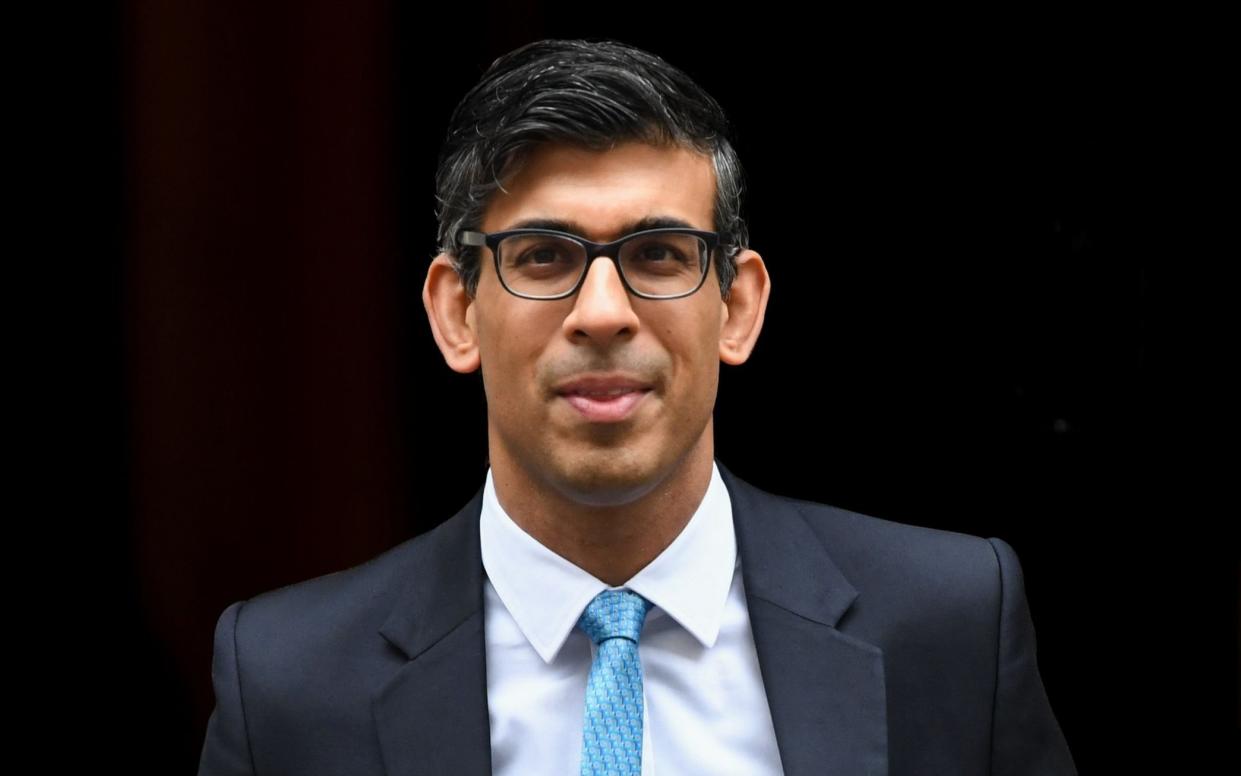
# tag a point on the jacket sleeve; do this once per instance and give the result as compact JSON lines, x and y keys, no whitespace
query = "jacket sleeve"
{"x":1025,"y":738}
{"x":226,"y":750}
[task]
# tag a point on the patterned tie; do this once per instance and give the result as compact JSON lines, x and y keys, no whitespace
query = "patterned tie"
{"x":612,"y":730}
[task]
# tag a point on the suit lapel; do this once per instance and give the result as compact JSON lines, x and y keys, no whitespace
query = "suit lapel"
{"x":825,"y":688}
{"x":432,"y":713}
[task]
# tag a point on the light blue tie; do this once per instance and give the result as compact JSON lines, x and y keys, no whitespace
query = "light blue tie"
{"x":612,"y":729}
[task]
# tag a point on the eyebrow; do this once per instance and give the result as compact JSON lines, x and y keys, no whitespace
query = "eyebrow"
{"x":572,"y":227}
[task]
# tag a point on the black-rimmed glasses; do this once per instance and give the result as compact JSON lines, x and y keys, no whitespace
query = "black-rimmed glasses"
{"x":665,"y":263}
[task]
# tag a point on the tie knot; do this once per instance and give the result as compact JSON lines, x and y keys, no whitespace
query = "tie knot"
{"x":614,"y":613}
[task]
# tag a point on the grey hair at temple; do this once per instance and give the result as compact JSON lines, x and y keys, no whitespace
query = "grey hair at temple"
{"x":591,"y":94}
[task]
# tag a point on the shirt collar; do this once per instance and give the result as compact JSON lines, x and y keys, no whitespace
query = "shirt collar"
{"x":546,"y":594}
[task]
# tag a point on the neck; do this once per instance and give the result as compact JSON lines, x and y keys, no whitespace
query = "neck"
{"x":615,"y":540}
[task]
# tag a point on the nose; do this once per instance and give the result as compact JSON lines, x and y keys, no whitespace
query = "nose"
{"x":601,"y":309}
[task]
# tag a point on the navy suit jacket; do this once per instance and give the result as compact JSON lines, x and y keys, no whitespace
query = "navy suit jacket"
{"x":884,"y":649}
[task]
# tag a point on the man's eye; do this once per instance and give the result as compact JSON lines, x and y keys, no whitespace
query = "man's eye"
{"x":657,"y":253}
{"x":543,"y":255}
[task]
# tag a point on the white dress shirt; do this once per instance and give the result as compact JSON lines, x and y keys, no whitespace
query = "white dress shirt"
{"x":705,"y":709}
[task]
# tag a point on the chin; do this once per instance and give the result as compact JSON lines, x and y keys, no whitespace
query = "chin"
{"x":608,"y":477}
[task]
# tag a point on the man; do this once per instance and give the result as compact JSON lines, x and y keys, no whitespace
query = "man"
{"x":613,"y":599}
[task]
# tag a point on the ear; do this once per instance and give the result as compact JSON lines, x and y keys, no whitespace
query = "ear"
{"x":451,"y":313}
{"x":744,"y":308}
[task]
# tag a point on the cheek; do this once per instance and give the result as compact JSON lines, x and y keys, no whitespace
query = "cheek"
{"x":510,"y":365}
{"x":700,"y":363}
{"x":709,"y":364}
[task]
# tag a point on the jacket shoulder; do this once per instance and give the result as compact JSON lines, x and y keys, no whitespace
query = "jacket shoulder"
{"x":329,"y":622}
{"x":896,"y":561}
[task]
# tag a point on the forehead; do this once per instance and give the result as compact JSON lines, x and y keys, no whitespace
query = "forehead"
{"x":602,"y":195}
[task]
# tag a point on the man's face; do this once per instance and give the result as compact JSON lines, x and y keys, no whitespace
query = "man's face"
{"x":528,"y":348}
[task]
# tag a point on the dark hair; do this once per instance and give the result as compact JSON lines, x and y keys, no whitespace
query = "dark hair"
{"x":591,"y":94}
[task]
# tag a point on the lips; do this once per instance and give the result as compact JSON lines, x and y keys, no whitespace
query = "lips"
{"x":606,"y":408}
{"x":604,"y":397}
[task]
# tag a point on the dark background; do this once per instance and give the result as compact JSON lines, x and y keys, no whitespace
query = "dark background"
{"x":992,"y":311}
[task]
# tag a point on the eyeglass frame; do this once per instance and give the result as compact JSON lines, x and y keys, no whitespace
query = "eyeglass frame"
{"x":594,"y":250}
